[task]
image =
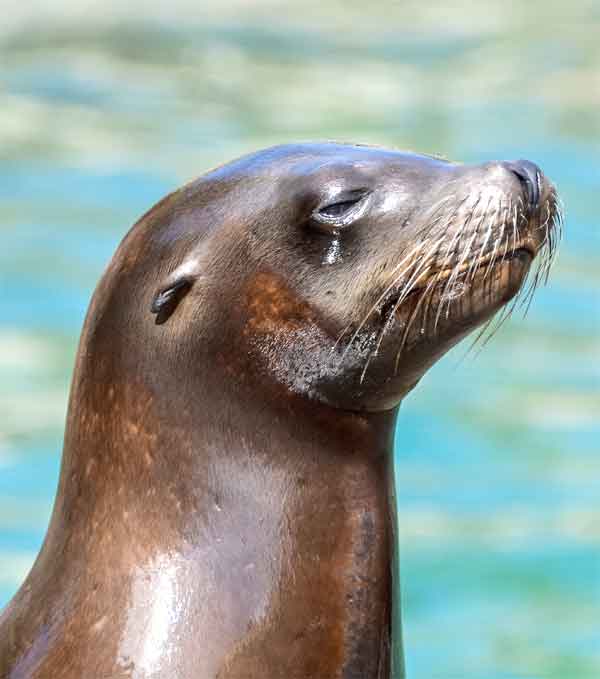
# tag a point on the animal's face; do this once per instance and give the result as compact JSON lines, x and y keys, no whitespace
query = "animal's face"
{"x":350,"y":269}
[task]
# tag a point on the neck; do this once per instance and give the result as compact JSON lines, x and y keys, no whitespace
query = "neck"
{"x":256,"y":532}
{"x":305,"y":519}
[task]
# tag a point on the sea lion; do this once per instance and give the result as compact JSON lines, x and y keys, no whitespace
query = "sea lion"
{"x":224,"y":507}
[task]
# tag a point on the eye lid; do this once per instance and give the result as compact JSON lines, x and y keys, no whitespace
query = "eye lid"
{"x":343,"y":208}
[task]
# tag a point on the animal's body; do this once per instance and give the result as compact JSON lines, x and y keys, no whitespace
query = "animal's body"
{"x":225,"y":504}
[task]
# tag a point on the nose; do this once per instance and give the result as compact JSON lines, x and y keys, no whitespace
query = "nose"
{"x":530,"y":176}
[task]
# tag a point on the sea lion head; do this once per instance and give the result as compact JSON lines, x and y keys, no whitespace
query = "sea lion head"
{"x":338,"y":272}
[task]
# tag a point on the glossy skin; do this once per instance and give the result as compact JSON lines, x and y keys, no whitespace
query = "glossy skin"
{"x":224,"y":507}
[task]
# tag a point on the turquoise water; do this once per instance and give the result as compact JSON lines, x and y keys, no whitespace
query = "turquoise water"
{"x":498,"y":457}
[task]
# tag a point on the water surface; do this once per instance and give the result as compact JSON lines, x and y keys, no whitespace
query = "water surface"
{"x":104,"y":109}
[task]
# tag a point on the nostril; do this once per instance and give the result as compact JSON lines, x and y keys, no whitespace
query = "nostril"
{"x":530,"y":176}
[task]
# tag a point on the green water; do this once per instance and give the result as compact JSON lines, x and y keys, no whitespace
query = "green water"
{"x":105,"y":107}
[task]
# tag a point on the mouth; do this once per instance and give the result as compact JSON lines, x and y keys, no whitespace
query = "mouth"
{"x":524,"y":251}
{"x":456,"y":297}
{"x":453,"y":282}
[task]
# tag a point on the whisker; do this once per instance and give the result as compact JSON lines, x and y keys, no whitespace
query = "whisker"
{"x":496,"y":242}
{"x":381,"y":297}
{"x":406,"y":290}
{"x":450,"y":282}
{"x":424,"y":296}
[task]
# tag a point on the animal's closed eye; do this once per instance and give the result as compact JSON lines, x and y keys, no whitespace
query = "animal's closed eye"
{"x":342,"y":211}
{"x":337,"y":209}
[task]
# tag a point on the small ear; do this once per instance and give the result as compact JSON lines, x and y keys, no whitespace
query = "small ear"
{"x":167,"y":298}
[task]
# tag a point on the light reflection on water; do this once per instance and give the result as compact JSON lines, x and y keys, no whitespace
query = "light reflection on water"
{"x":498,"y":458}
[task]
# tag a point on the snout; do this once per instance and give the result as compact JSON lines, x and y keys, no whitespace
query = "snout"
{"x":519,"y":182}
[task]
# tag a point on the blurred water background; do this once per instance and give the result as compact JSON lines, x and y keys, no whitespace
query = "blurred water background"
{"x":104,"y":108}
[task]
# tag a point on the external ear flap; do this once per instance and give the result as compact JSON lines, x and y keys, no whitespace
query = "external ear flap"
{"x":166,"y":300}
